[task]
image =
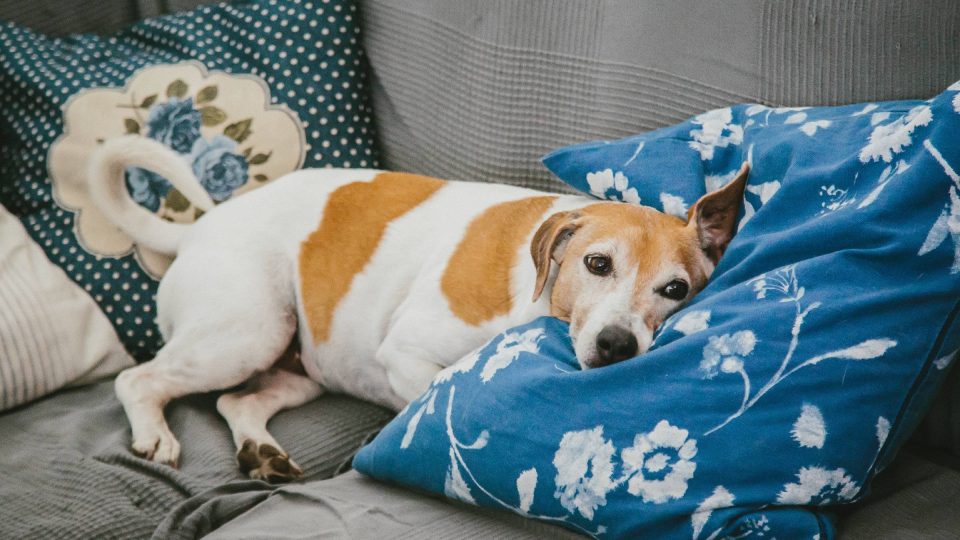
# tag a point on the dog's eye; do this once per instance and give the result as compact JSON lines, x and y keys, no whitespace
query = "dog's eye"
{"x":600,"y":265}
{"x":675,"y":290}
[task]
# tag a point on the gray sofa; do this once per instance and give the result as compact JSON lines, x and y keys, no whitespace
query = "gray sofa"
{"x":478,"y":90}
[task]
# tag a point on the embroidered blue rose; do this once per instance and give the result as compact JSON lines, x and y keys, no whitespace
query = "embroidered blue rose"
{"x":175,"y":123}
{"x":219,"y":168}
{"x":147,"y":187}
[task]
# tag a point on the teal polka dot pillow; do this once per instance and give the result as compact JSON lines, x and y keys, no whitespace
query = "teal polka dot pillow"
{"x":244,"y":92}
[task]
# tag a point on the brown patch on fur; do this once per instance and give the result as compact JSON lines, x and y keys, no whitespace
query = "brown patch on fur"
{"x":353,"y":224}
{"x":553,"y":232}
{"x":476,"y":281}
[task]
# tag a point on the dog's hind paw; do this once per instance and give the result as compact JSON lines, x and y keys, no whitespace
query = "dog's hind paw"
{"x":267,"y":462}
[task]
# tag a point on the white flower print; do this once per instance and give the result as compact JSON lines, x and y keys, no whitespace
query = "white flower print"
{"x":602,"y":181}
{"x":721,"y":498}
{"x":889,"y":139}
{"x":716,"y":130}
{"x":631,"y":196}
{"x":464,"y":365}
{"x":876,"y":118}
{"x":796,"y":118}
{"x":818,"y":486}
{"x":660,"y":463}
{"x":724,"y":353}
{"x":509,"y":349}
{"x":458,"y":484}
{"x":810,"y":128}
{"x":809,"y":430}
{"x":426,"y":407}
{"x":868,"y":108}
{"x":944,"y":361}
{"x":635,"y":154}
{"x":883,"y":431}
{"x":765,"y":192}
{"x":453,"y":484}
{"x":693,"y":322}
{"x":584,"y":471}
{"x":714,"y":182}
{"x":784,"y":283}
{"x":526,"y":486}
{"x":835,"y":199}
{"x":948,"y":223}
{"x":956,"y":103}
{"x":886,"y":176}
{"x":756,"y":527}
{"x":673,"y":205}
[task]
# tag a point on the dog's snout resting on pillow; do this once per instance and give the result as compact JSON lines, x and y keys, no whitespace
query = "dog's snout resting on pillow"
{"x":386,"y":278}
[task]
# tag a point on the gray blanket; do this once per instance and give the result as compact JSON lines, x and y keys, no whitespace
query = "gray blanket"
{"x":68,"y":473}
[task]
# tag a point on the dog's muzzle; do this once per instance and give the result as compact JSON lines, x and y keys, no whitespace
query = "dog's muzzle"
{"x":614,"y":344}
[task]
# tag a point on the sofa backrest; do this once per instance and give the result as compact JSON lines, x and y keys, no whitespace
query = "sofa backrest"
{"x":480,"y":89}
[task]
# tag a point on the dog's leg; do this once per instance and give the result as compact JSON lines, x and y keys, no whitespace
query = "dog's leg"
{"x":410,"y":369}
{"x":247,"y":413}
{"x":202,"y":355}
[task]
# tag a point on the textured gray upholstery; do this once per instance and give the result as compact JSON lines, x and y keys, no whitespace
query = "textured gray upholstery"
{"x":353,"y":506}
{"x":480,"y":89}
{"x":68,"y":471}
{"x":917,"y":498}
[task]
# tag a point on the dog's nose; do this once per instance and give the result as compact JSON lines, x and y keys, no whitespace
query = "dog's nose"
{"x":615,"y":343}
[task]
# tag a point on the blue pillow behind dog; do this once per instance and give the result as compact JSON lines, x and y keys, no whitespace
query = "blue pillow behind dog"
{"x":785,"y":386}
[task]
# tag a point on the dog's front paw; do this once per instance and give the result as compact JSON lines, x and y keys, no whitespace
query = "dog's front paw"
{"x":160,"y":448}
{"x":267,"y":462}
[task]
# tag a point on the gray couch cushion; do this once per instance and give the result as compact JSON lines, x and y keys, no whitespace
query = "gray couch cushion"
{"x":354,"y":506}
{"x":917,"y":498}
{"x":68,"y":472}
{"x":479,"y":90}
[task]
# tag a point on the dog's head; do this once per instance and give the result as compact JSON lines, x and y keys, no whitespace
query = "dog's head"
{"x":623,"y":269}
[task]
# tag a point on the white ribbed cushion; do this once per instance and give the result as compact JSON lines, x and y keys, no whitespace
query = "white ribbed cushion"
{"x":51,"y":333}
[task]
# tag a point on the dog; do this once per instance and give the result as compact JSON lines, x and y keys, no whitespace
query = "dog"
{"x":384,"y":278}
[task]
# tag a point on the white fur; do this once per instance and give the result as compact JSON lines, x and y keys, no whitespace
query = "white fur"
{"x":111,"y":198}
{"x":230,"y":303}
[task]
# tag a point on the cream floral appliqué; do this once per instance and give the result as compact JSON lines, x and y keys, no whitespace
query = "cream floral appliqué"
{"x":222,"y":125}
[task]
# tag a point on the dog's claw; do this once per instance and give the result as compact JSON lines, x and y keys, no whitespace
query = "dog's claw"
{"x":267,"y":462}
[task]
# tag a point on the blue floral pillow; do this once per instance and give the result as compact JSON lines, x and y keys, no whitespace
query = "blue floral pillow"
{"x":781,"y":390}
{"x":245,"y":92}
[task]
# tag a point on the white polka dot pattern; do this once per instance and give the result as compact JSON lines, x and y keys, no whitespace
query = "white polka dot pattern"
{"x":308,"y":52}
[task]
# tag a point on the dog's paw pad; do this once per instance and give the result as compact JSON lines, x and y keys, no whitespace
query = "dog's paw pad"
{"x":267,"y":462}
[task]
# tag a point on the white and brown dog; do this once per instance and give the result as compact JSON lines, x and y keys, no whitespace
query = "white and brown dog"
{"x":387,"y":278}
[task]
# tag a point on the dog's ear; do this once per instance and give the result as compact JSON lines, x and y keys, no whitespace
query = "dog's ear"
{"x":549,"y":243}
{"x":714,"y":216}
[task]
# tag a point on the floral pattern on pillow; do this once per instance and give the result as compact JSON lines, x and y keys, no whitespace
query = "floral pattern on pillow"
{"x":223,"y":125}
